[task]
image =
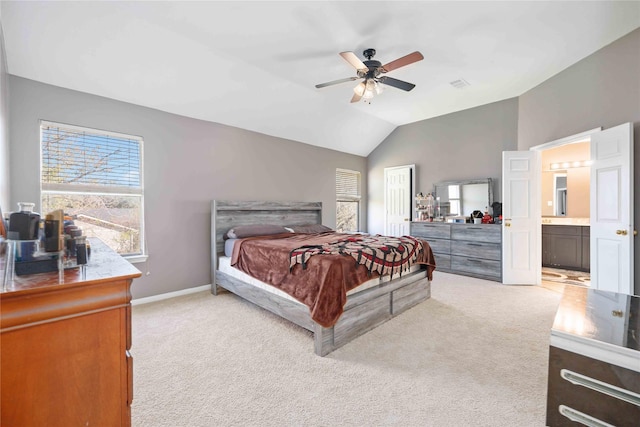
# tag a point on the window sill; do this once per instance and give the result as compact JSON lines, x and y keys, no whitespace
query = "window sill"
{"x":136,"y":259}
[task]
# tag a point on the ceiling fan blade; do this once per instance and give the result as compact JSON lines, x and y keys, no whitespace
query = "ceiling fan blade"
{"x":356,"y":98}
{"x":401,"y":62}
{"x":352,"y":59}
{"x":335,"y":82}
{"x":390,"y":81}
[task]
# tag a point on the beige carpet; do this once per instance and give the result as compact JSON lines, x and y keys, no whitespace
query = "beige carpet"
{"x":475,"y":354}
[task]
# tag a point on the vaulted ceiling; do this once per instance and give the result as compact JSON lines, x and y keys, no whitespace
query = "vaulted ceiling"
{"x":254,"y":65}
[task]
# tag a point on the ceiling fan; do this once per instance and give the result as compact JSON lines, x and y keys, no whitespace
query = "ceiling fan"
{"x":371,"y":70}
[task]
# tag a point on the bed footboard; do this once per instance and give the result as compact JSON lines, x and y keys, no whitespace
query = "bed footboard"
{"x":366,"y":310}
{"x":363,"y":311}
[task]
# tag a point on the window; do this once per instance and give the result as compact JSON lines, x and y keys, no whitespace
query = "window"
{"x":454,"y":200}
{"x":347,"y":200}
{"x":95,"y":177}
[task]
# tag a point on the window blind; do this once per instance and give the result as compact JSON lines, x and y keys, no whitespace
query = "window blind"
{"x":77,"y":157}
{"x":347,"y":184}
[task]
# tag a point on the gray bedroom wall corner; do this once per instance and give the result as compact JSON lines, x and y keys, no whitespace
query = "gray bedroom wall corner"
{"x":463,"y":145}
{"x":601,"y":90}
{"x":187,"y":163}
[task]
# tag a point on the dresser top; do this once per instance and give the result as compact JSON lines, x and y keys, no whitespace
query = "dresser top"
{"x":603,"y":317}
{"x":104,"y":265}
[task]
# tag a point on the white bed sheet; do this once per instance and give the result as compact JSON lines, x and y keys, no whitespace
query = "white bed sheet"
{"x":224,"y":265}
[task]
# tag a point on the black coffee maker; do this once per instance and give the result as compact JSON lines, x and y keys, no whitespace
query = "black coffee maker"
{"x":24,"y":224}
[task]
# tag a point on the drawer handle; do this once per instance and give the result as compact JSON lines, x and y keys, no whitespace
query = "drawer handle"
{"x":477,"y":261}
{"x":474,"y":244}
{"x":474,"y":228}
{"x":602,"y":387}
{"x":582,"y":418}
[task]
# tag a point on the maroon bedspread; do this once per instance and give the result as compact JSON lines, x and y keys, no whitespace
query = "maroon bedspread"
{"x":324,"y":282}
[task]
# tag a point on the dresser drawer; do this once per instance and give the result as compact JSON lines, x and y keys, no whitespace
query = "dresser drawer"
{"x":440,"y":246}
{"x":478,"y":249}
{"x":443,"y":262}
{"x":580,"y":386}
{"x":430,"y":229}
{"x":480,"y":233}
{"x":485,"y":268}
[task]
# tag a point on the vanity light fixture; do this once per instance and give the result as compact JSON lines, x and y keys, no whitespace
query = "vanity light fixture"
{"x":567,"y":165}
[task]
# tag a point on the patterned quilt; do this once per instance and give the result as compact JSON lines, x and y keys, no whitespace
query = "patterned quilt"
{"x":384,"y":255}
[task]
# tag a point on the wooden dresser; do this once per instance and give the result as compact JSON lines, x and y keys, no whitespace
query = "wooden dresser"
{"x":594,"y":360}
{"x":65,"y":346}
{"x":467,"y":249}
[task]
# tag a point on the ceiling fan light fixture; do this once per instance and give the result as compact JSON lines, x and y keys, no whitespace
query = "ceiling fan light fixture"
{"x":370,"y":89}
{"x":379,"y":88}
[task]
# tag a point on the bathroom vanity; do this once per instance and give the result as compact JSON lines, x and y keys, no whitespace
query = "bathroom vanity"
{"x":566,"y":246}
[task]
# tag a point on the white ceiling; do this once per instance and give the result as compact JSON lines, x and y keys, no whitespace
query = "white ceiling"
{"x":254,"y":65}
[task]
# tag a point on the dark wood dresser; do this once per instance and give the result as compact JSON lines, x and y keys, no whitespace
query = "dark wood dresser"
{"x":65,"y":346}
{"x":594,"y":360}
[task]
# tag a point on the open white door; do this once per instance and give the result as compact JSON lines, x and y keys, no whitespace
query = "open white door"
{"x":612,"y":209}
{"x":397,"y":200}
{"x":521,"y":253}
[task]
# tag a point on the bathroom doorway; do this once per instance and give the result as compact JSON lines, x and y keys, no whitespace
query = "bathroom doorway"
{"x":565,"y":209}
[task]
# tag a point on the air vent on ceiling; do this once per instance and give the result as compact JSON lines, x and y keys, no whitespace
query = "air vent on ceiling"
{"x":459,"y":84}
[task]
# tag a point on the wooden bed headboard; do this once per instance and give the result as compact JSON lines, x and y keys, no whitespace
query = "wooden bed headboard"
{"x":226,"y":214}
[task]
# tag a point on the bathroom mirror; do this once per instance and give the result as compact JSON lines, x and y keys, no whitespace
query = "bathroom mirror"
{"x":560,"y":194}
{"x":461,"y":198}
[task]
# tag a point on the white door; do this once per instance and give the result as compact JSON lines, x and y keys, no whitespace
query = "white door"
{"x":521,"y":253}
{"x":612,"y":210}
{"x":397,"y":200}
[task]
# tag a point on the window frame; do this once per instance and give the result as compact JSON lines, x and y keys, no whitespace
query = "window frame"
{"x":99,"y":190}
{"x":346,"y":197}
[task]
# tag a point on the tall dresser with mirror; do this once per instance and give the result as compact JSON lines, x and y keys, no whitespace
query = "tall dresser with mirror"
{"x":468,"y":249}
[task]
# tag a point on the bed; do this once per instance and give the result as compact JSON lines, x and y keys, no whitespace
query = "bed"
{"x":366,"y":306}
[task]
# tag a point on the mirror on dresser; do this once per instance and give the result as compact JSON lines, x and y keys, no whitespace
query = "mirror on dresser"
{"x":462,"y":197}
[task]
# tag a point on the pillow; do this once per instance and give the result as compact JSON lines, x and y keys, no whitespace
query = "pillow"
{"x":242,"y":231}
{"x":309,"y":228}
{"x":228,"y":247}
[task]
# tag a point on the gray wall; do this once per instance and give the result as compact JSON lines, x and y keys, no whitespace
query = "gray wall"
{"x":187,"y":163}
{"x":463,"y":145}
{"x":4,"y":128}
{"x":601,"y":90}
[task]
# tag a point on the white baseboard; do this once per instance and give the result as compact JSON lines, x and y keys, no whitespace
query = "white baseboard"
{"x":160,"y":297}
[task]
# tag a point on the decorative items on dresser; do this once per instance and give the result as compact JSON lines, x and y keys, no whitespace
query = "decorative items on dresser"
{"x":594,"y":360}
{"x":65,"y":342}
{"x":467,"y":249}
